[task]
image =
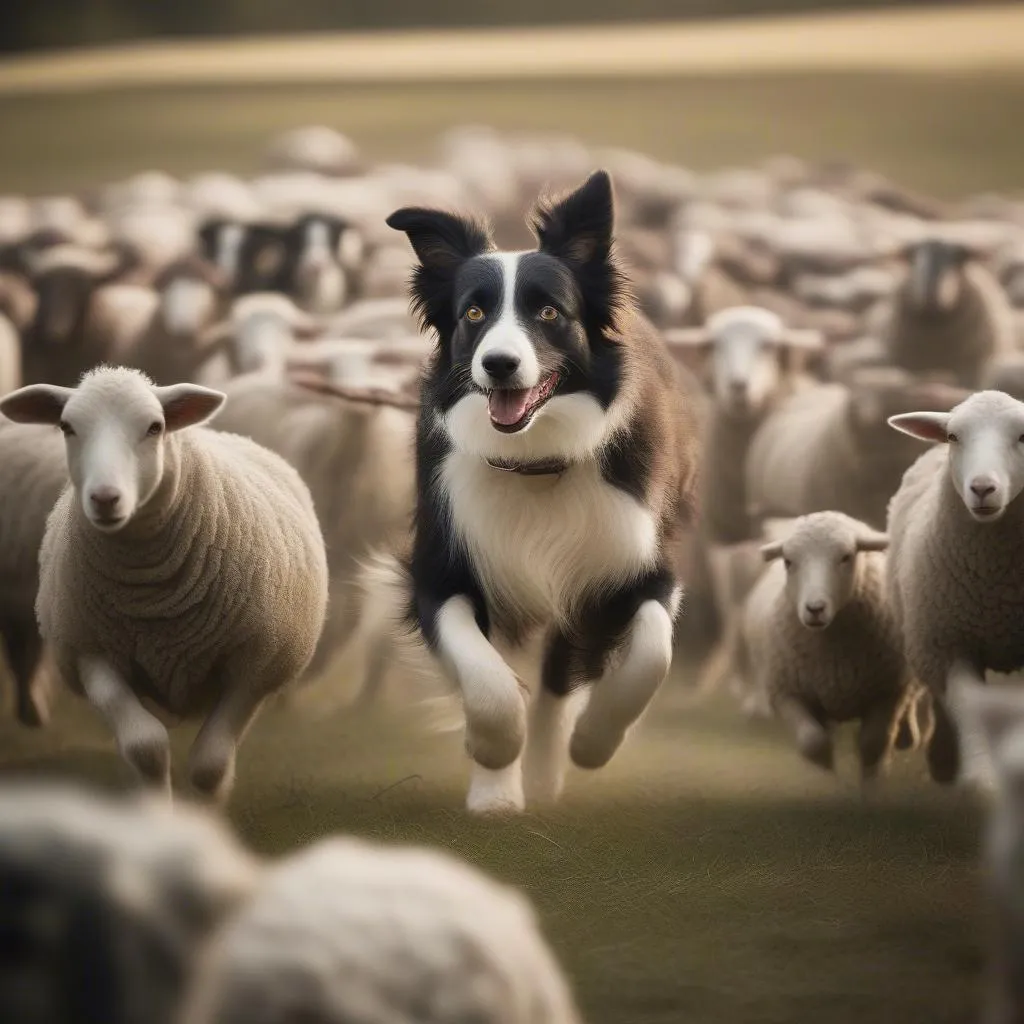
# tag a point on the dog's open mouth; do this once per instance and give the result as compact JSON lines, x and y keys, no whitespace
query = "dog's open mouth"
{"x":511,"y":409}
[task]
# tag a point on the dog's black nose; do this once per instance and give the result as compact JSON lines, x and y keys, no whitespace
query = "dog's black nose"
{"x":501,"y":365}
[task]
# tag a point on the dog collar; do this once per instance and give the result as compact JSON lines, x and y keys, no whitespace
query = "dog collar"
{"x":542,"y":467}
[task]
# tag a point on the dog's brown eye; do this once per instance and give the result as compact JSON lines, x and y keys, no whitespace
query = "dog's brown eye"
{"x":952,"y":438}
{"x":156,"y":427}
{"x":474,"y":314}
{"x":66,"y":429}
{"x":549,"y":313}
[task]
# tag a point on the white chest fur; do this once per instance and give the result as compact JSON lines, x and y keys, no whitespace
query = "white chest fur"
{"x":542,"y":544}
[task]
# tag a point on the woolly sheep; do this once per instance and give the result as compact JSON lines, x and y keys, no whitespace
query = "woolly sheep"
{"x":955,"y":525}
{"x":949,"y":313}
{"x":819,"y":641}
{"x":349,"y":930}
{"x":995,"y":717}
{"x":33,"y":472}
{"x":107,"y":903}
{"x":829,"y":446}
{"x":315,"y":148}
{"x":184,"y":568}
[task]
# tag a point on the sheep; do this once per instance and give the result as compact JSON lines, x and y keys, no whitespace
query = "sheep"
{"x":57,"y":345}
{"x":819,"y":641}
{"x":355,"y":455}
{"x":315,"y":148}
{"x":995,"y":717}
{"x":183,"y":568}
{"x":191,"y":297}
{"x":350,"y":930}
{"x":957,"y":543}
{"x":829,"y":446}
{"x":33,"y":473}
{"x":949,"y":313}
{"x":107,"y":903}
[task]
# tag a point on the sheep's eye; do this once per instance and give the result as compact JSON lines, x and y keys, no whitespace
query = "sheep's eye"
{"x":952,"y":438}
{"x":66,"y":429}
{"x":474,"y":314}
{"x":1021,"y":438}
{"x":548,"y":313}
{"x":788,"y":563}
{"x":156,"y":427}
{"x":846,"y":559}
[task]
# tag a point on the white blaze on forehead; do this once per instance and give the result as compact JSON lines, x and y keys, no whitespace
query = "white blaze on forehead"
{"x":505,"y":333}
{"x":317,"y":243}
{"x":187,"y":305}
{"x":229,"y":245}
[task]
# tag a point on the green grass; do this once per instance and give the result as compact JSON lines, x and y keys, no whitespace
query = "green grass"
{"x":948,"y":134}
{"x":706,"y":875}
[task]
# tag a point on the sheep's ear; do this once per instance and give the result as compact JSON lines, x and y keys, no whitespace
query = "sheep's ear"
{"x":871,"y":540}
{"x":37,"y":403}
{"x":769,"y":552}
{"x":188,"y":405}
{"x":808,"y":339}
{"x":441,"y":240}
{"x":578,"y":228}
{"x":927,"y":426}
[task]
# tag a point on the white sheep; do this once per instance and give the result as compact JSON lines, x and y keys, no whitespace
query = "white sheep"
{"x":33,"y":472}
{"x":107,"y":903}
{"x":349,"y":930}
{"x":184,"y":568}
{"x":829,"y":446}
{"x":819,"y":641}
{"x":316,"y":148}
{"x":957,"y":530}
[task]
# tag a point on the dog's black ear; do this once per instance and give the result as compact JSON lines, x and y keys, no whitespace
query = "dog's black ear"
{"x":442,"y":242}
{"x":578,"y":227}
{"x":578,"y":230}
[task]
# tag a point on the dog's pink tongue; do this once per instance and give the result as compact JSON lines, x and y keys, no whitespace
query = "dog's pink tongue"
{"x":508,"y":407}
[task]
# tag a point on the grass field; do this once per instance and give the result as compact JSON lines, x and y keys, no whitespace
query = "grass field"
{"x":707,"y":875}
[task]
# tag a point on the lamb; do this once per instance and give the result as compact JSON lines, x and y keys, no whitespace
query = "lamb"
{"x":957,"y":543}
{"x":349,"y":930}
{"x":829,"y":446}
{"x":183,"y":569}
{"x":950,"y":313}
{"x":33,"y":472}
{"x":995,"y":717}
{"x":107,"y":903}
{"x":819,"y":641}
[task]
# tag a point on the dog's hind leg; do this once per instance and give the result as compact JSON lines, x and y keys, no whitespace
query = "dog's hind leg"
{"x":494,"y":705}
{"x":622,"y":695}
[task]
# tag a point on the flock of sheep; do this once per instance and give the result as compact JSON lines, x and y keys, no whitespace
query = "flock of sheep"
{"x":841,"y":570}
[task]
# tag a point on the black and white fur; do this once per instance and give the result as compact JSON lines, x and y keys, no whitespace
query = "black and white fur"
{"x":557,"y":522}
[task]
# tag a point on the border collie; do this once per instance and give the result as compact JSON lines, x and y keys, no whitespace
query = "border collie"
{"x":556,"y":463}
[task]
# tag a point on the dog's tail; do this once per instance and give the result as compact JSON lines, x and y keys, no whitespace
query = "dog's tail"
{"x":386,"y":589}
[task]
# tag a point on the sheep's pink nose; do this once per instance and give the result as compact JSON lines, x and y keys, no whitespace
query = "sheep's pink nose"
{"x":105,"y":499}
{"x":815,"y":608}
{"x":982,"y":486}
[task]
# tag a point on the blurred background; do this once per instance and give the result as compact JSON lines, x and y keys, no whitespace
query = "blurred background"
{"x":708,"y":874}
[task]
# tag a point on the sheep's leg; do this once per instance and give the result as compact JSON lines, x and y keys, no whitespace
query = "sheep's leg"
{"x":141,"y":737}
{"x":24,"y":655}
{"x":493,"y":703}
{"x":813,"y":739}
{"x":622,"y":695}
{"x":877,"y":735}
{"x":551,"y":720}
{"x":211,"y":761}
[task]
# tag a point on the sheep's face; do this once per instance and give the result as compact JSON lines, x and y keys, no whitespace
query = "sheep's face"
{"x":935,"y":275}
{"x":821,"y":564}
{"x":187,"y":304}
{"x":747,"y":346}
{"x":985,"y":437}
{"x":114,"y":425}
